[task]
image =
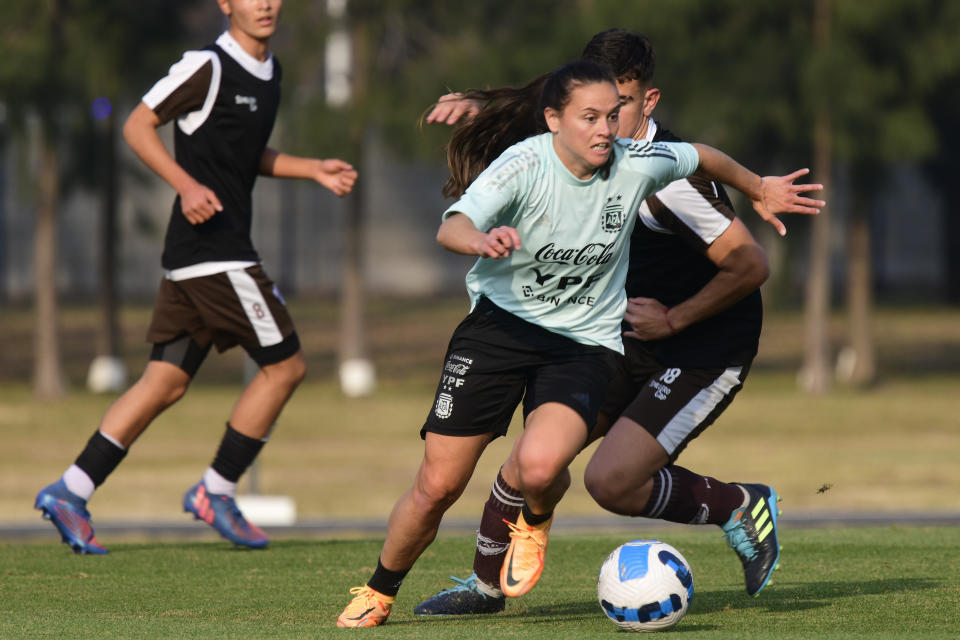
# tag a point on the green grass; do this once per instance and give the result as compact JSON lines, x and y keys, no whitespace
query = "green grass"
{"x":844,"y":583}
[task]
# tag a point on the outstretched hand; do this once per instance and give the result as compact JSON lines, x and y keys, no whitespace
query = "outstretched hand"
{"x":779,"y":194}
{"x":336,"y":175}
{"x":450,"y":108}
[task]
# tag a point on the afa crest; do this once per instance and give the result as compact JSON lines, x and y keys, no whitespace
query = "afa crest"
{"x":612,"y":214}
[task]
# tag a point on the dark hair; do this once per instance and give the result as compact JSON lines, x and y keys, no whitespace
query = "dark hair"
{"x":628,"y":53}
{"x":511,"y":115}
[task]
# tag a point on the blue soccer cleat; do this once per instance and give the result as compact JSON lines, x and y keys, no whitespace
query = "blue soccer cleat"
{"x":221,"y":513}
{"x":751,"y":531}
{"x":463,"y":598}
{"x":68,"y":513}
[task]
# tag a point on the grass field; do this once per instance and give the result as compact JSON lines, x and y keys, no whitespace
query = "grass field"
{"x":835,"y":583}
{"x":893,"y":448}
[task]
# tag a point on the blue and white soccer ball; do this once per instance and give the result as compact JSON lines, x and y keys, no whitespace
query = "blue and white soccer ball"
{"x":645,"y":585}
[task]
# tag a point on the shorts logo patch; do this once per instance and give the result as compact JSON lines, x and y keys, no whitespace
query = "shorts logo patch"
{"x":444,"y":406}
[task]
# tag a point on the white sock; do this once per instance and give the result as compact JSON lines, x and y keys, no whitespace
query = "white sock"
{"x":78,"y":482}
{"x":216,"y":483}
{"x":486,"y":589}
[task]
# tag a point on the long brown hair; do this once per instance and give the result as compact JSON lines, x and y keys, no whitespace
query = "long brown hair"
{"x":509,"y":116}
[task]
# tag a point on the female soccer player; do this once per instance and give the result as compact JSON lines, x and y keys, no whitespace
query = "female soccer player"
{"x":224,"y":99}
{"x":548,"y":220}
{"x":695,"y":313}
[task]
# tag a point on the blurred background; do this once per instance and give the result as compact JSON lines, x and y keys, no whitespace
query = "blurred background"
{"x":862,"y":298}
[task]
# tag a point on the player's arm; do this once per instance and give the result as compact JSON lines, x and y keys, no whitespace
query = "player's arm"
{"x":336,"y":175}
{"x":770,"y":195}
{"x":460,"y":235}
{"x":198,"y":202}
{"x":742,"y":268}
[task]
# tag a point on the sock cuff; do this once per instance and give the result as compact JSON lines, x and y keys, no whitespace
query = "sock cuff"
{"x":100,"y":457}
{"x":533,"y":519}
{"x":235,"y":454}
{"x":386,"y":581}
{"x":508,"y":496}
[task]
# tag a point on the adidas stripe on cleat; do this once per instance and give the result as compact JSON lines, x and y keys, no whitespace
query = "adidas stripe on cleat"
{"x":751,"y":531}
{"x":221,"y":513}
{"x":369,"y":608}
{"x":68,"y":513}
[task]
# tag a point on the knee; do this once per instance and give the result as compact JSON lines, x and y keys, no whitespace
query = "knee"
{"x":288,"y":373}
{"x":435,"y":493}
{"x":605,"y":487}
{"x":539,"y":473}
{"x":175,"y":392}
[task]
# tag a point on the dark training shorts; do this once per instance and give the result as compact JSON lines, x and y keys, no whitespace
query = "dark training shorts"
{"x":496,"y":359}
{"x":239,"y":307}
{"x":674,"y":404}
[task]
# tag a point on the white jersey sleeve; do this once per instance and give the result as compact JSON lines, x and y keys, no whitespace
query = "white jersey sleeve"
{"x":688,"y":208}
{"x":188,"y":91}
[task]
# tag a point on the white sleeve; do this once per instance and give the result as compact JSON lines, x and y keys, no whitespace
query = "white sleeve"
{"x":176,"y":93}
{"x":690,"y":207}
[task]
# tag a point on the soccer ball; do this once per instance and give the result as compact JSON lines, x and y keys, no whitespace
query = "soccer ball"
{"x":645,"y":585}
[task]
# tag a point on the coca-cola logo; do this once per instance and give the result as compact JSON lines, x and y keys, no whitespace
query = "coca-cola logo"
{"x":591,"y":254}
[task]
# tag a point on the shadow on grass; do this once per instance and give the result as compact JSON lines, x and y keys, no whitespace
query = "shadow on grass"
{"x":798,"y":597}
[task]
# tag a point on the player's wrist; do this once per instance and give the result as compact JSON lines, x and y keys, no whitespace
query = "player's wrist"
{"x":666,"y":318}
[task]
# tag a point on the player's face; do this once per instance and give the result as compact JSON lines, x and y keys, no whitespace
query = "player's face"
{"x":632,"y":118}
{"x":254,"y":19}
{"x":584,"y":131}
{"x":636,"y":104}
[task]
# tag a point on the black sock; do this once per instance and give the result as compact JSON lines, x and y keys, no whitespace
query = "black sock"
{"x":236,"y":453}
{"x":99,"y":458}
{"x":532,"y":518}
{"x":386,"y":581}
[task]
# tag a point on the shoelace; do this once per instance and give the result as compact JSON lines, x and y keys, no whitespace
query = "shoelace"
{"x":368,"y":595}
{"x":738,"y":539}
{"x":467,"y":584}
{"x":519,"y":532}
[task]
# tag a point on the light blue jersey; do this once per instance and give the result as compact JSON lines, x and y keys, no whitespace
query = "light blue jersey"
{"x":568,"y":276}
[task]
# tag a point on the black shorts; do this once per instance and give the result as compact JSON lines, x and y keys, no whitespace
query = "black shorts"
{"x":495,"y":359}
{"x":242,"y":307}
{"x":674,"y":404}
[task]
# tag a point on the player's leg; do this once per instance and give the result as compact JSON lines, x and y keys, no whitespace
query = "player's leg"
{"x":552,"y":437}
{"x":244,"y":307}
{"x":163,"y":382}
{"x":481,"y":384}
{"x":480,"y":592}
{"x":447,"y":466}
{"x":632,"y":471}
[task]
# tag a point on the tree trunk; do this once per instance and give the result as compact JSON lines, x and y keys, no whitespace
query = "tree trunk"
{"x":357,"y":376}
{"x":48,"y":383}
{"x":815,"y":373}
{"x":858,"y":362}
{"x":107,"y":335}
